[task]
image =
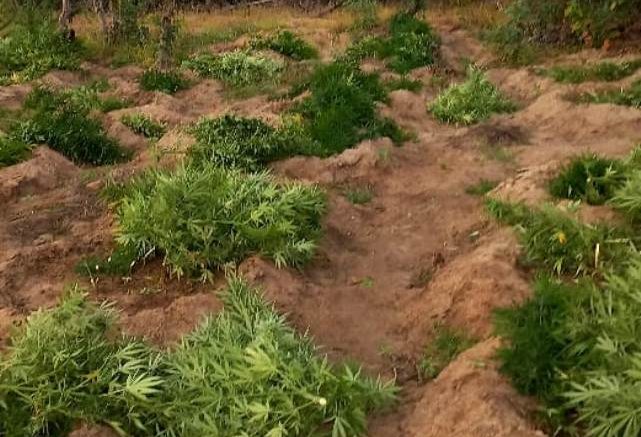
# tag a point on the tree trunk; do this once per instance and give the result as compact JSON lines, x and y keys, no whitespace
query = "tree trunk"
{"x":65,"y":17}
{"x":167,"y":37}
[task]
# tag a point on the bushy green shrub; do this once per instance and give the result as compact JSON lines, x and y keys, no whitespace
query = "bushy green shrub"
{"x":203,"y":218}
{"x":144,"y":125}
{"x":558,"y":242}
{"x":411,"y":44}
{"x":628,"y":197}
{"x":169,"y":82}
{"x":602,"y":71}
{"x":341,"y":108}
{"x":62,"y":120}
{"x":244,"y":366}
{"x":589,"y":178}
{"x":119,"y":263}
{"x":286,"y":43}
{"x":231,"y":141}
{"x":630,"y":96}
{"x":13,"y":151}
{"x":238,"y":68}
{"x":474,"y":100}
{"x":28,"y":52}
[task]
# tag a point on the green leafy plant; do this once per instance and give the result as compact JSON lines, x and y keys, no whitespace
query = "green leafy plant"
{"x":286,"y":43}
{"x":237,"y":142}
{"x":29,"y":51}
{"x":602,"y":71}
{"x":448,"y":343}
{"x":589,"y":178}
{"x":628,"y":197}
{"x":473,"y":101}
{"x":66,"y":364}
{"x":553,"y":239}
{"x":239,"y":68}
{"x":142,"y":124}
{"x":203,"y":218}
{"x":404,"y":83}
{"x":119,"y":263}
{"x":13,"y":151}
{"x":62,"y":120}
{"x":169,"y":82}
{"x":340,"y":110}
{"x":625,"y":97}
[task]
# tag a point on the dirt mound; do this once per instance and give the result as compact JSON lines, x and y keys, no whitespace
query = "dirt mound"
{"x":353,"y":165}
{"x":12,"y":97}
{"x":93,"y":431}
{"x":173,"y":146}
{"x":529,"y":185}
{"x":167,"y":324}
{"x":465,"y":291}
{"x":46,"y":170}
{"x":471,"y":399}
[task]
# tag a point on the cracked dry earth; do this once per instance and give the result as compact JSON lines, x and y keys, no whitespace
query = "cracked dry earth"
{"x":421,"y":252}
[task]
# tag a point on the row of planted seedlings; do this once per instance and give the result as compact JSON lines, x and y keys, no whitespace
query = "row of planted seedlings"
{"x":574,"y":344}
{"x":244,"y":371}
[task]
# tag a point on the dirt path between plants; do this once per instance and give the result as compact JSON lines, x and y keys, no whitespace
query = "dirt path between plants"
{"x":421,"y":252}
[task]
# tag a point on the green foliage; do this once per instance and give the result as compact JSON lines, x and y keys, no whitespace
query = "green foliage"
{"x":286,"y":43}
{"x":169,"y":82}
{"x":142,"y":124}
{"x":245,"y":366}
{"x":404,"y":83}
{"x":62,"y":120}
{"x":231,"y":141}
{"x":625,"y":97}
{"x":238,"y":68}
{"x":473,"y":101}
{"x":13,"y":151}
{"x":553,"y":239}
{"x":29,"y":51}
{"x":341,"y":108}
{"x":483,"y":187}
{"x":538,"y":344}
{"x":589,"y":178}
{"x":119,"y":263}
{"x":448,"y":343}
{"x":628,"y":197}
{"x":412,"y":43}
{"x":203,"y":218}
{"x":602,"y":71}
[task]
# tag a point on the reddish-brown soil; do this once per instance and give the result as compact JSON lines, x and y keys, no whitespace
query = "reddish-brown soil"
{"x":421,"y":252}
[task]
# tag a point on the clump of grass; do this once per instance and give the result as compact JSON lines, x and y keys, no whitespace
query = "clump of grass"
{"x":119,"y":263}
{"x":29,"y":52}
{"x":628,"y":197}
{"x":602,"y":71}
{"x":404,"y":83}
{"x":65,"y":364}
{"x":286,"y":43}
{"x":341,"y":108}
{"x":473,"y":101}
{"x":63,"y":121}
{"x":168,"y":82}
{"x":589,"y":178}
{"x":448,"y":343}
{"x":204,"y":218}
{"x":625,"y":97}
{"x":553,"y":239}
{"x":411,"y":44}
{"x":144,"y":125}
{"x":237,"y":142}
{"x":359,"y":195}
{"x":13,"y":151}
{"x":481,"y":188}
{"x":239,"y":68}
